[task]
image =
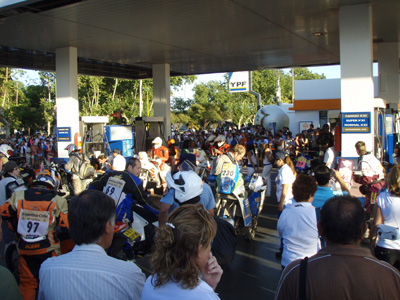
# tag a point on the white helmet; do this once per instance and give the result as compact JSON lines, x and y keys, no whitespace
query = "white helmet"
{"x":143,"y":156}
{"x":71,"y":148}
{"x":211,"y":138}
{"x":220,"y":140}
{"x":4,"y":148}
{"x":157,"y":142}
{"x":187,"y":185}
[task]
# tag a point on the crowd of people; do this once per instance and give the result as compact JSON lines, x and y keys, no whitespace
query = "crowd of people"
{"x":320,"y":224}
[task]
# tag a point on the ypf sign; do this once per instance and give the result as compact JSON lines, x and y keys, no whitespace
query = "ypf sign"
{"x":238,"y":82}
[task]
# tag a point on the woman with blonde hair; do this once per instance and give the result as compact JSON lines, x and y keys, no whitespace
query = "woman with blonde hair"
{"x":183,"y":266}
{"x":387,"y":212}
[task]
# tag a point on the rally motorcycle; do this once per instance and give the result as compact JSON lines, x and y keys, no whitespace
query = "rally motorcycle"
{"x":150,"y":172}
{"x":134,"y":239}
{"x":238,"y":201}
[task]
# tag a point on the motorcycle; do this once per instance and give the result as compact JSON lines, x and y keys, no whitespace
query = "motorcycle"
{"x":303,"y":164}
{"x":150,"y":172}
{"x":202,"y":163}
{"x":134,"y":239}
{"x":240,"y":202}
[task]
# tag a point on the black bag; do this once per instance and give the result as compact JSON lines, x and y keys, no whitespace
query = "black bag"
{"x":224,"y":243}
{"x":364,"y":188}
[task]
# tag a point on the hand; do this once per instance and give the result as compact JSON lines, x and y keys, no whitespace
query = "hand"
{"x":336,"y":174}
{"x":212,"y":272}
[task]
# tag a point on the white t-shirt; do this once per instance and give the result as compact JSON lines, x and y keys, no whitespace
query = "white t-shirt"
{"x":329,"y":158}
{"x":297,"y":226}
{"x":390,"y":207}
{"x":119,"y":163}
{"x":173,"y":291}
{"x":285,"y":176}
{"x":370,"y":166}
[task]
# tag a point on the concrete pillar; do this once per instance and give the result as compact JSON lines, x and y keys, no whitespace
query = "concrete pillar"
{"x":357,"y":88}
{"x":388,"y":58}
{"x":67,"y":94}
{"x":161,"y":96}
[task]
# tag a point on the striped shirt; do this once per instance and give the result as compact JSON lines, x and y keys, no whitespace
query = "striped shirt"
{"x":87,"y":272}
{"x":340,"y":272}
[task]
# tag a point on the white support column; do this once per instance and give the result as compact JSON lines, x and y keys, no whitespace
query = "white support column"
{"x":388,"y":58}
{"x":161,"y":95}
{"x":357,"y":87}
{"x":67,"y":94}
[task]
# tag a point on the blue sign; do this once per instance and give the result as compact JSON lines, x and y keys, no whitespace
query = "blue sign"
{"x":356,"y":122}
{"x":63,"y":134}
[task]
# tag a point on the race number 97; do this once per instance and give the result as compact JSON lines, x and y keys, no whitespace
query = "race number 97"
{"x":33,"y":225}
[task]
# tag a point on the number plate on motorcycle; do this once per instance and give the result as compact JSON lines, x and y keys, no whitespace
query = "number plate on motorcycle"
{"x":300,"y":164}
{"x":131,"y":234}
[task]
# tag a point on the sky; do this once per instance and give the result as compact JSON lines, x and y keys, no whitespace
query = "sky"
{"x":186,"y":92}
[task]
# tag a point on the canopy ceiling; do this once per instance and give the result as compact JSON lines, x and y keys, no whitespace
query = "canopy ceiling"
{"x":124,"y":38}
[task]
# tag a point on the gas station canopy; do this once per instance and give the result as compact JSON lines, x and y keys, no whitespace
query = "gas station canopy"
{"x":124,"y":38}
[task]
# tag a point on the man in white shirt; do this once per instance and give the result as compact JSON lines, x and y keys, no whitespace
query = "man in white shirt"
{"x":119,"y":161}
{"x":329,"y":156}
{"x":87,"y":272}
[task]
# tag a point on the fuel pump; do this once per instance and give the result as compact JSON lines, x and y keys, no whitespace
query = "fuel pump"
{"x":146,"y":130}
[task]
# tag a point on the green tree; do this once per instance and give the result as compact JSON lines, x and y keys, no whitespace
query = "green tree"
{"x":180,"y":105}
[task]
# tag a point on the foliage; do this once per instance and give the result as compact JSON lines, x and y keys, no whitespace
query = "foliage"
{"x":180,"y":105}
{"x":33,"y":107}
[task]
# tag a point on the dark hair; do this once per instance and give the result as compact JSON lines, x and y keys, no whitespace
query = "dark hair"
{"x":322,"y":174}
{"x":185,"y":144}
{"x":88,"y":214}
{"x":131,"y":162}
{"x":304,"y":187}
{"x":342,"y":220}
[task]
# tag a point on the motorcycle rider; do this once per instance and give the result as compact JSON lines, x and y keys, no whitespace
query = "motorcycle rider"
{"x":11,"y":182}
{"x":73,"y":165}
{"x":5,"y":151}
{"x":161,"y":155}
{"x":180,"y":184}
{"x":173,"y":153}
{"x":126,"y":188}
{"x":220,"y":146}
{"x":33,"y":215}
{"x":235,"y":155}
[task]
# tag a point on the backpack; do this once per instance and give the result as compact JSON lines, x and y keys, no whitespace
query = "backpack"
{"x":86,"y":170}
